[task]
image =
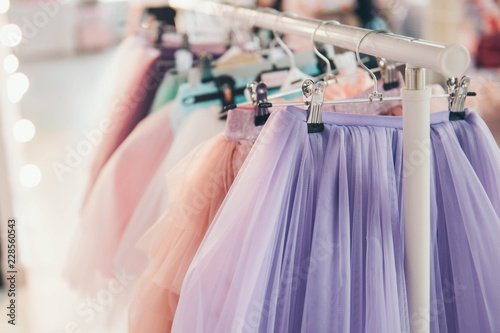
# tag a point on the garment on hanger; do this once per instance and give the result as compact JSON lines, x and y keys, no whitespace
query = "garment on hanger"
{"x":196,"y":188}
{"x":343,"y":89}
{"x":199,"y":126}
{"x":168,"y":89}
{"x":131,"y":102}
{"x":347,"y":88}
{"x":310,"y":237}
{"x":111,"y":82}
{"x":186,"y":96}
{"x":111,"y":202}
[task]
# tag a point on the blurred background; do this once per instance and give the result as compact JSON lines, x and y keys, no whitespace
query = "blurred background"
{"x":56,"y":72}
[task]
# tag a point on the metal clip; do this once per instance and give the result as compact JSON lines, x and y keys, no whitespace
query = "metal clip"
{"x":389,"y":75}
{"x":261,"y":104}
{"x":451,"y":83}
{"x":458,"y":94}
{"x":225,"y":85}
{"x":376,"y":95}
{"x":206,"y":67}
{"x":314,"y":118}
{"x":250,"y":93}
{"x":307,"y":90}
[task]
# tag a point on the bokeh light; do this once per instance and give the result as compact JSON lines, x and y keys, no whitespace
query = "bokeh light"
{"x":30,"y":175}
{"x":4,"y":6}
{"x":11,"y":35}
{"x":24,"y":130}
{"x":17,"y":85}
{"x":10,"y":63}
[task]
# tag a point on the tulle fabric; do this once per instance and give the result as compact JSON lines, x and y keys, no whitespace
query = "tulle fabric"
{"x":310,"y":236}
{"x":117,"y":191}
{"x":111,"y":85}
{"x":196,"y":186}
{"x":350,"y":87}
{"x":130,"y":104}
{"x":199,"y":126}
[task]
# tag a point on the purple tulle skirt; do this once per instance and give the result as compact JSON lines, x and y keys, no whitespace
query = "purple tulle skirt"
{"x":310,"y":238}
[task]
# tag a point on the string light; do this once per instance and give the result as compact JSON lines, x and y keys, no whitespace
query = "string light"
{"x":10,"y":63}
{"x":11,"y":35}
{"x":24,"y":130}
{"x":4,"y":6}
{"x":30,"y":175}
{"x":17,"y":85}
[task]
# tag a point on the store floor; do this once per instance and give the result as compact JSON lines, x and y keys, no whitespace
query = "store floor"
{"x":61,"y":104}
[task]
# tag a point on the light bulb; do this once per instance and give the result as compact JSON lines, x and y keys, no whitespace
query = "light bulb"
{"x":17,"y":86}
{"x":10,"y":63}
{"x":24,"y":130}
{"x":30,"y":175}
{"x":14,"y":96}
{"x":11,"y":35}
{"x":18,"y":82}
{"x":4,"y":6}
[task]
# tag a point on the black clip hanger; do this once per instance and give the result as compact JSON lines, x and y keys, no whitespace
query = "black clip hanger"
{"x":206,"y":67}
{"x":459,"y":90}
{"x":261,"y":104}
{"x":314,"y":117}
{"x":226,"y":86}
{"x":389,"y":73}
{"x":320,"y":63}
{"x":163,"y":18}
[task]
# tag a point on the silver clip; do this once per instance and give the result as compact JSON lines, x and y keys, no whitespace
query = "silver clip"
{"x":251,"y":92}
{"x":316,"y":106}
{"x":451,"y":83}
{"x":389,"y":75}
{"x":458,"y":93}
{"x":307,"y":90}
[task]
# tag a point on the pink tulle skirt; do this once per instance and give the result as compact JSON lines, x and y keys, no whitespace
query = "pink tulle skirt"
{"x":113,"y":199}
{"x":125,"y":109}
{"x":197,"y":187}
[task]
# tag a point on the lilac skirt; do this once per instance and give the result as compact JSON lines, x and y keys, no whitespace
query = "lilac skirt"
{"x":310,"y":238}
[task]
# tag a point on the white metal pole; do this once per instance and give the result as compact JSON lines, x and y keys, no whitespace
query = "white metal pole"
{"x":416,"y":203}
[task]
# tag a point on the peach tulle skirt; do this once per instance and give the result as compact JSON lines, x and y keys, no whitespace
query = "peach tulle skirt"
{"x":197,"y":187}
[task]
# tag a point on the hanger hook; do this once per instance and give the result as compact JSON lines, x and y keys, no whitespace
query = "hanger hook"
{"x":234,"y":32}
{"x":328,"y":73}
{"x":374,"y":78}
{"x":280,"y":41}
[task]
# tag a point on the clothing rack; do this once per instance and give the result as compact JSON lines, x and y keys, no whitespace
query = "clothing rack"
{"x":449,"y":60}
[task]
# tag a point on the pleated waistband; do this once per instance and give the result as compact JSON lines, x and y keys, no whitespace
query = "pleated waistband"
{"x":344,"y":119}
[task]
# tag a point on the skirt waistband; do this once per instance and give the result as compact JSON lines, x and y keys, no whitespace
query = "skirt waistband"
{"x":334,"y":118}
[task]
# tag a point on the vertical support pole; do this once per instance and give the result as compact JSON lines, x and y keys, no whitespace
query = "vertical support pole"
{"x":416,"y":185}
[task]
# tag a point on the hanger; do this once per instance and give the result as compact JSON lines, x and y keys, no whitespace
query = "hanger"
{"x":330,"y":53}
{"x":295,"y":75}
{"x":314,"y":118}
{"x":375,"y":93}
{"x":226,"y":87}
{"x":286,"y":76}
{"x":157,"y":21}
{"x":458,"y":92}
{"x":257,"y":93}
{"x":330,"y":76}
{"x":389,"y":73}
{"x":205,"y":64}
{"x":261,"y":104}
{"x":313,"y":96}
{"x":328,"y":71}
{"x":240,"y":44}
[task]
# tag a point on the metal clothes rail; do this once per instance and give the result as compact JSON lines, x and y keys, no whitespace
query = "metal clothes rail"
{"x":449,"y":60}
